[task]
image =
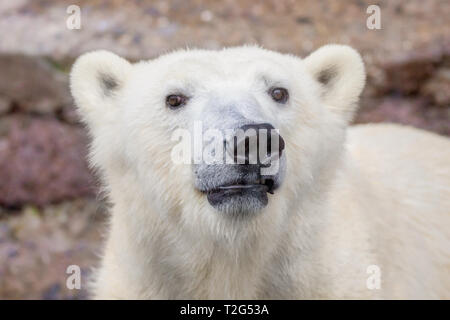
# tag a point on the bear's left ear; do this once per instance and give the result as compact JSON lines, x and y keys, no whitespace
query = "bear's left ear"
{"x":95,"y":81}
{"x":339,"y":70}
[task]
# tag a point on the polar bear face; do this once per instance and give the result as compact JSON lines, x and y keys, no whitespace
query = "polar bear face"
{"x":298,"y":108}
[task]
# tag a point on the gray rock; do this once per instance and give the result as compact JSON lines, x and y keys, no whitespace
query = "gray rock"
{"x":31,"y":84}
{"x":438,"y":87}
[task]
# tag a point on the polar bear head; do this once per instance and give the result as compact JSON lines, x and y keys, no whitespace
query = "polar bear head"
{"x":190,"y":105}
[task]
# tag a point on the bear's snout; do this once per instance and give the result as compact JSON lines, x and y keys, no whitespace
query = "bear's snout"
{"x":264,"y":135}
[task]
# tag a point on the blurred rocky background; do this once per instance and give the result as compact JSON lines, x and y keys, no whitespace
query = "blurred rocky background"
{"x":51,"y":215}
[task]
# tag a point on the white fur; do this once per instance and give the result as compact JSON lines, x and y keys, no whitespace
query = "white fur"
{"x":368,"y":195}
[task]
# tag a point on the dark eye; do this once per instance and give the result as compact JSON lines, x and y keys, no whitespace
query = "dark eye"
{"x":280,"y":95}
{"x":175,"y":100}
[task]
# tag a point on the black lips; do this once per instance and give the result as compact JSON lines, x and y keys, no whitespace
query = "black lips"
{"x":223,"y":195}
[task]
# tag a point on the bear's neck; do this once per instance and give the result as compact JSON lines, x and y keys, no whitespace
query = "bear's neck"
{"x":163,"y":263}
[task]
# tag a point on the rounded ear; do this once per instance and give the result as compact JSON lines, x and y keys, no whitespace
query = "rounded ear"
{"x":339,"y":70}
{"x":95,"y":80}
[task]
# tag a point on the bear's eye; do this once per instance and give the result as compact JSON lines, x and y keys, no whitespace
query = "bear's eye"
{"x":175,"y":100}
{"x":280,"y":95}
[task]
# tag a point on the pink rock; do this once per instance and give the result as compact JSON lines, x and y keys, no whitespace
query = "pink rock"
{"x":41,"y":161}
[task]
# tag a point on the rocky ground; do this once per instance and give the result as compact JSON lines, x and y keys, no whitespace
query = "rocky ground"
{"x":38,"y":244}
{"x":50,"y":214}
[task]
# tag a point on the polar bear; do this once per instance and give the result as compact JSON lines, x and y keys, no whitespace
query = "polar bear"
{"x":351,"y":212}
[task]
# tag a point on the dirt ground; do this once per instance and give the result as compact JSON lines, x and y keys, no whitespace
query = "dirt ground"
{"x":408,"y":82}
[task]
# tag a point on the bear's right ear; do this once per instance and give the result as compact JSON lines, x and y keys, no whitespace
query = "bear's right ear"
{"x":95,"y":80}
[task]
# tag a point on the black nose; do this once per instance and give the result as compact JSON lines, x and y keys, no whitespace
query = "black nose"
{"x":247,"y":147}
